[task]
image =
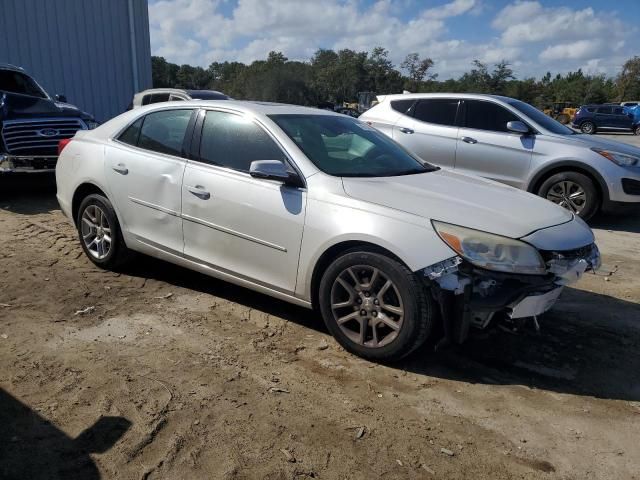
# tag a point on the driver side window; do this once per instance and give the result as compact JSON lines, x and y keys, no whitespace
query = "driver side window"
{"x":233,"y":141}
{"x":485,"y":115}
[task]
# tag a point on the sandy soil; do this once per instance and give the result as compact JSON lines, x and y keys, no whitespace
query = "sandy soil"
{"x":170,"y":374}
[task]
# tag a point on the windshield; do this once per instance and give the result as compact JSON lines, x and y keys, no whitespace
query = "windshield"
{"x":16,"y":82}
{"x":346,"y":147}
{"x":540,"y":118}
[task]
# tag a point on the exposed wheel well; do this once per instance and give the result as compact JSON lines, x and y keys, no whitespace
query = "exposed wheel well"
{"x":537,"y":183}
{"x":81,"y":192}
{"x":334,"y":252}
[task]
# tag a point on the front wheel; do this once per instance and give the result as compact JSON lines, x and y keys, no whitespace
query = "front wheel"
{"x":374,"y":306}
{"x":99,"y":233}
{"x":574,"y":191}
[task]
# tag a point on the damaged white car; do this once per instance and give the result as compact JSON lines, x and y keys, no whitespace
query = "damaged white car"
{"x":320,"y":210}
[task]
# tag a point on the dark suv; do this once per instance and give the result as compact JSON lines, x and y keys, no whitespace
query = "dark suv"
{"x":32,"y":123}
{"x":591,"y":118}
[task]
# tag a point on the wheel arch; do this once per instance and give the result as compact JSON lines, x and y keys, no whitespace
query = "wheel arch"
{"x":81,"y":192}
{"x":570,"y":166}
{"x":333,"y":252}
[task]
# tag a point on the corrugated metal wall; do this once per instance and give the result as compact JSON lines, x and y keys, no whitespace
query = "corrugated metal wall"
{"x":80,"y":48}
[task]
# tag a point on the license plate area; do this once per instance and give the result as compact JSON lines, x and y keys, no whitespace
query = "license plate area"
{"x":534,"y":305}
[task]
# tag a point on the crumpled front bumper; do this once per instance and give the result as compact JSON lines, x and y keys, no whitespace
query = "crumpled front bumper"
{"x":27,"y":164}
{"x":470,"y":296}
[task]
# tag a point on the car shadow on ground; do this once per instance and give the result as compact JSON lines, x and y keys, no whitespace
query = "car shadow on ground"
{"x":627,"y":219}
{"x":28,"y":194}
{"x":589,"y":343}
{"x":31,"y":447}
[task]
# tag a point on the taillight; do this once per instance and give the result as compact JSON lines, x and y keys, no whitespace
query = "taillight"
{"x":61,"y":144}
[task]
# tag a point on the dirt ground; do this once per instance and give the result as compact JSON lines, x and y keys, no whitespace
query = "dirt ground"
{"x":170,"y":374}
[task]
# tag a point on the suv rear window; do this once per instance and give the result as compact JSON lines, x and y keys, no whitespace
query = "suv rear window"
{"x":155,"y":98}
{"x":402,"y":106}
{"x":441,"y":111}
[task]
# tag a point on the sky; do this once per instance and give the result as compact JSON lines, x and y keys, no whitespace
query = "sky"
{"x":535,"y":36}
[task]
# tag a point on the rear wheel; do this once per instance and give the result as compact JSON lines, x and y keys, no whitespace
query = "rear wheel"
{"x":563,"y":118}
{"x":375,"y":306}
{"x":99,"y":233}
{"x":636,"y":130}
{"x":574,"y":191}
{"x":588,"y":127}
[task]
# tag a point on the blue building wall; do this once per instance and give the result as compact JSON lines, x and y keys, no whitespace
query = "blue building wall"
{"x":80,"y":48}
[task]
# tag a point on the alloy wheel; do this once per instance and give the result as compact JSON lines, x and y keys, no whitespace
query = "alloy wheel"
{"x":367,"y":306}
{"x":96,"y":232}
{"x":569,"y":195}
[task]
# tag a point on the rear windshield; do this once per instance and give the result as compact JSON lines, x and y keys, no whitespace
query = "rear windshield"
{"x":540,"y":118}
{"x":16,"y":82}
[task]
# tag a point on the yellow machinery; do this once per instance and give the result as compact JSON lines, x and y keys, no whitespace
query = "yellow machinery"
{"x":561,"y":111}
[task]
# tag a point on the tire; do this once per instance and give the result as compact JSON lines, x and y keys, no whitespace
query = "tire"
{"x":560,"y":187}
{"x":588,"y":127}
{"x":636,"y":130}
{"x":563,"y":118}
{"x":405,"y":305}
{"x":97,"y":225}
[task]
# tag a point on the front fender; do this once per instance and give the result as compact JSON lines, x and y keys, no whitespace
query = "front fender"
{"x":327,"y":225}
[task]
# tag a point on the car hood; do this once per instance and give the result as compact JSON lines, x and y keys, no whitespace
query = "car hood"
{"x":25,"y":106}
{"x":591,"y":141}
{"x":462,"y":200}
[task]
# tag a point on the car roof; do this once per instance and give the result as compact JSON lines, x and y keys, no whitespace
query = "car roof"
{"x":8,"y":66}
{"x":412,"y":96}
{"x":244,"y":106}
{"x":162,"y":90}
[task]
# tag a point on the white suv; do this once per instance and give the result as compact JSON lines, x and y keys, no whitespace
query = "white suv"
{"x":512,"y":142}
{"x":320,"y":210}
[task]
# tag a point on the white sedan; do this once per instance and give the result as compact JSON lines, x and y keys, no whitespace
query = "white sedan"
{"x":320,"y":210}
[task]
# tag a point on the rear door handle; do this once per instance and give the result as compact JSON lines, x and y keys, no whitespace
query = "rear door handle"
{"x":199,"y":192}
{"x":121,"y":169}
{"x":406,"y":130}
{"x":468,"y":140}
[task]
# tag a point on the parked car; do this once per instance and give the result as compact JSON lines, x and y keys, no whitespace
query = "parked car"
{"x":320,"y":210}
{"x":633,"y":103}
{"x":157,"y":95}
{"x":591,"y":118}
{"x":512,"y":142}
{"x":32,"y":123}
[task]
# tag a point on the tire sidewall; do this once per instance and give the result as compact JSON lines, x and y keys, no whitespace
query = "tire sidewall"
{"x":593,"y":198}
{"x":413,"y":310}
{"x":117,"y":243}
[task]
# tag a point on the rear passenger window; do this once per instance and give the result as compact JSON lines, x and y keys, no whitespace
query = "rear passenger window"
{"x":605,"y":110}
{"x":132,"y":133}
{"x":487,"y":116}
{"x":233,"y":141}
{"x":402,"y":106}
{"x":441,"y":111}
{"x":618,"y":111}
{"x":164,"y":131}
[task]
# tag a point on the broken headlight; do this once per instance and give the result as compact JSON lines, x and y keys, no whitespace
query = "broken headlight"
{"x":493,"y":252}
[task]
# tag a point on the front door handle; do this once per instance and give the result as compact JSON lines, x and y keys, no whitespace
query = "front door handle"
{"x":121,"y":169}
{"x":199,"y":192}
{"x":406,"y":130}
{"x":469,"y":140}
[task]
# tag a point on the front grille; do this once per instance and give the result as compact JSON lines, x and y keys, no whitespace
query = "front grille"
{"x":631,"y":187}
{"x":38,"y":136}
{"x":583,"y":252}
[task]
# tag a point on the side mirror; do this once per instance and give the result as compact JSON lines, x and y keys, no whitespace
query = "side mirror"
{"x":518,"y":127}
{"x":61,"y":98}
{"x":274,"y":170}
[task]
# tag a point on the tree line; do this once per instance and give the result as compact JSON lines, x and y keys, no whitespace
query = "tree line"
{"x":338,"y":76}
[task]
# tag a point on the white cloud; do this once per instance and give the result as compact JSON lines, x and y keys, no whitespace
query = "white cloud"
{"x":535,"y":38}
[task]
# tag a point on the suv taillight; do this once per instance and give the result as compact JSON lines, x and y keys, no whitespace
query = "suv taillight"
{"x":61,"y":144}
